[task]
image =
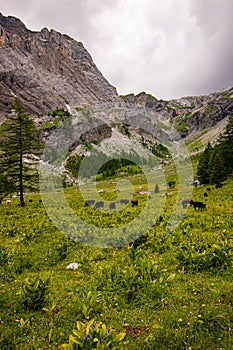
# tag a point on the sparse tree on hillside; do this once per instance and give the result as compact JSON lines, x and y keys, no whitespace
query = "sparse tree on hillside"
{"x":19,"y":148}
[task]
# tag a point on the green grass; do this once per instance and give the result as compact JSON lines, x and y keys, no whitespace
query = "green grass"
{"x":51,"y":124}
{"x":167,"y":291}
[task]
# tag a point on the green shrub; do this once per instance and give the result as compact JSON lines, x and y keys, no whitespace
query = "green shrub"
{"x":94,"y":335}
{"x":61,"y":112}
{"x":33,"y":292}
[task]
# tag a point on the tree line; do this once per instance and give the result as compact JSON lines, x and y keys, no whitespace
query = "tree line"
{"x":216,"y":162}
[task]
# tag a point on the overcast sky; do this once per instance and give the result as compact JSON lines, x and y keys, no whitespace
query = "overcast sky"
{"x":168,"y":48}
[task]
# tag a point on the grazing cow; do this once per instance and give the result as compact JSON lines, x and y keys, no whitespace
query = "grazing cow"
{"x":185,"y":202}
{"x":218,"y":186}
{"x":8,"y":201}
{"x":89,"y":202}
{"x":124,"y":201}
{"x":112,"y":205}
{"x":205,"y":194}
{"x":134,"y":203}
{"x":30,"y":200}
{"x":40,"y":200}
{"x":198,"y":205}
{"x":99,"y":205}
{"x":208,"y":189}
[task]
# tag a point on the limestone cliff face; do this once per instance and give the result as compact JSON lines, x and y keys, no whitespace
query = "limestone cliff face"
{"x":46,"y":70}
{"x":188,"y":114}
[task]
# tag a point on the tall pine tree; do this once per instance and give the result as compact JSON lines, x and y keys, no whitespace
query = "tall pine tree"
{"x":225,"y":146}
{"x":218,"y":171}
{"x":203,"y":170}
{"x":19,"y":151}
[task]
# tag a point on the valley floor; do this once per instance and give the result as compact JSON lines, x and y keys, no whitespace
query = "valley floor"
{"x":168,"y":289}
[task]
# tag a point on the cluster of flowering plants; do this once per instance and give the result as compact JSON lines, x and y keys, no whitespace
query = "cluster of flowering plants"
{"x":93,"y":335}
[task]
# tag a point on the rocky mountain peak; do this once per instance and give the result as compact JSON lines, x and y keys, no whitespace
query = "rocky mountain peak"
{"x":12,"y":24}
{"x":47,"y":69}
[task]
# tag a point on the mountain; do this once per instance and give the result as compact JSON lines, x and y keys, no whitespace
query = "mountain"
{"x":46,"y":70}
{"x":192,"y":116}
{"x":49,"y":71}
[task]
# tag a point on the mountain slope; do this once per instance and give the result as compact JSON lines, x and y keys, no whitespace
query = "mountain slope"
{"x":46,"y":70}
{"x":191,"y":116}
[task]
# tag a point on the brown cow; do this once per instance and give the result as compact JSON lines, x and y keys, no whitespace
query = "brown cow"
{"x":134,"y":203}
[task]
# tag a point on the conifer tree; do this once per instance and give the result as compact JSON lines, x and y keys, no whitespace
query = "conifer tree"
{"x":203,"y":169}
{"x":19,"y":151}
{"x":225,"y":146}
{"x":218,"y":171}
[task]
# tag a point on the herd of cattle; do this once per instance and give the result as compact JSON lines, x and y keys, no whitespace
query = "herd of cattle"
{"x":134,"y":202}
{"x":112,"y":205}
{"x":100,"y":204}
{"x":196,"y":204}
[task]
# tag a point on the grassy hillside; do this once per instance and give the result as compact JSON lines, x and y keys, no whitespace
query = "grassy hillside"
{"x":164,"y":291}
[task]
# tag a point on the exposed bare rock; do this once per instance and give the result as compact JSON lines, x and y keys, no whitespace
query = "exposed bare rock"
{"x":188,"y":114}
{"x":46,"y":70}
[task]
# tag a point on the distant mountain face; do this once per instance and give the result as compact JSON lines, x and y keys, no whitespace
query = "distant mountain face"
{"x":46,"y":70}
{"x":188,"y":114}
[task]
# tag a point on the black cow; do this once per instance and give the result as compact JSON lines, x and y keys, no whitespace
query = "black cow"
{"x":99,"y":205}
{"x":218,"y":186}
{"x":134,"y":203}
{"x":30,"y":200}
{"x":89,"y":202}
{"x":185,"y":202}
{"x":205,"y":194}
{"x":112,"y":205}
{"x":124,"y":201}
{"x":198,"y":205}
{"x":208,"y":189}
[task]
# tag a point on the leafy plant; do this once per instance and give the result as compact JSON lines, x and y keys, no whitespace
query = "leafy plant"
{"x":94,"y":335}
{"x":205,"y":258}
{"x":89,"y":303}
{"x":33,"y":292}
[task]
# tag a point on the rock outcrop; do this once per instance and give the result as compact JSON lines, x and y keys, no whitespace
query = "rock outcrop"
{"x":188,"y":114}
{"x":46,"y":70}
